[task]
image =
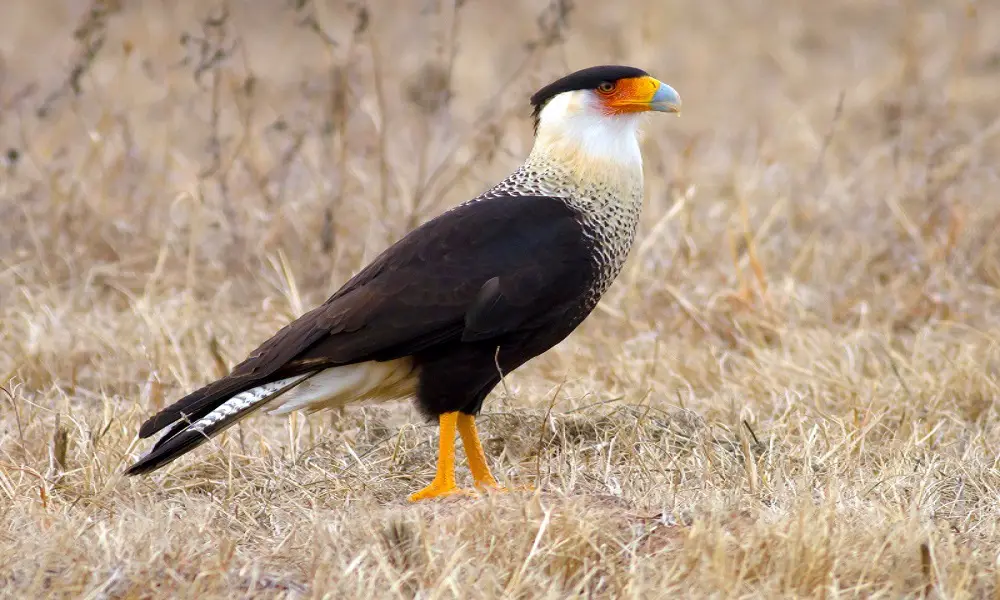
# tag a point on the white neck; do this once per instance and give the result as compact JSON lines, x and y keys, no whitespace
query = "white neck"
{"x":572,"y":128}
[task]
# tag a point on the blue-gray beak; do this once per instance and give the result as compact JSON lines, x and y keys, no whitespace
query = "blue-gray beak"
{"x":666,"y":99}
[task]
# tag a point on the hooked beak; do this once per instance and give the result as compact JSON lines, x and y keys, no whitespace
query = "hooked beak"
{"x":641,"y":94}
{"x":665,"y":99}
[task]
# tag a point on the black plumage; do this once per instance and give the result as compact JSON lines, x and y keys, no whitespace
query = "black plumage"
{"x":464,"y":299}
{"x":469,"y":295}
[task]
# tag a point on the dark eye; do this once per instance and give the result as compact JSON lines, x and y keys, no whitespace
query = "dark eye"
{"x":606,"y":87}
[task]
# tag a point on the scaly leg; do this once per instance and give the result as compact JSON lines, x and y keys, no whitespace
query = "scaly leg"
{"x":444,"y":480}
{"x":474,"y":452}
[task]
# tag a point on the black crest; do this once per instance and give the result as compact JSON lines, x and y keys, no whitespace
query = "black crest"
{"x":584,"y":79}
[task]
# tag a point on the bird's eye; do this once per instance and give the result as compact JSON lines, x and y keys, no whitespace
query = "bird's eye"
{"x":606,"y":87}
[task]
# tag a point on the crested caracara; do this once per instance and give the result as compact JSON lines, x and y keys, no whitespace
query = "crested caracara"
{"x":464,"y":298}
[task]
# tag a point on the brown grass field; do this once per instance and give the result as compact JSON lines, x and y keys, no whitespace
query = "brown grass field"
{"x":789,"y":392}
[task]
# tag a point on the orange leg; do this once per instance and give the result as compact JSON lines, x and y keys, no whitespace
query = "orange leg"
{"x":474,"y":452}
{"x":444,"y":481}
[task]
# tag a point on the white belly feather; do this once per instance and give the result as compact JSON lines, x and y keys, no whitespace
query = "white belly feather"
{"x":339,"y":386}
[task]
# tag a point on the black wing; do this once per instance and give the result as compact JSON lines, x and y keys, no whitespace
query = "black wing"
{"x":481,"y":270}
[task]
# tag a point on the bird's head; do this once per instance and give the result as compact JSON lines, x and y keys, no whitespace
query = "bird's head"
{"x":593,"y":114}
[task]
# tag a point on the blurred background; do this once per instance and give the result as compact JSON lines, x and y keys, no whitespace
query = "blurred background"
{"x":835,"y":165}
{"x":180,"y":178}
{"x":183,"y":175}
{"x":812,"y":307}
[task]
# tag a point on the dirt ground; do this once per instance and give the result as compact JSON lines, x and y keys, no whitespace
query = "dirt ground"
{"x":789,"y":392}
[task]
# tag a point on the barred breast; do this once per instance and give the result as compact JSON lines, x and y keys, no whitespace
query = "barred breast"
{"x":608,"y":199}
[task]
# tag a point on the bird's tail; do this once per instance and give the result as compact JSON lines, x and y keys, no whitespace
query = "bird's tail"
{"x":188,"y":433}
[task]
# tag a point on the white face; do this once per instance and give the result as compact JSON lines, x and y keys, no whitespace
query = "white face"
{"x":577,"y":126}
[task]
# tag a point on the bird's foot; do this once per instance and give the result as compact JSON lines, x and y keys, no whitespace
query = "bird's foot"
{"x":438,"y":489}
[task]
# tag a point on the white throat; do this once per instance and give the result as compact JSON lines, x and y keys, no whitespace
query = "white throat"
{"x":572,"y":127}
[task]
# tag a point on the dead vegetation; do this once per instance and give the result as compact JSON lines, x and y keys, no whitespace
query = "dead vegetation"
{"x":790,"y":392}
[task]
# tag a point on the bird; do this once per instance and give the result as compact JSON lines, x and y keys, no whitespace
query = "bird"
{"x":465,"y":298}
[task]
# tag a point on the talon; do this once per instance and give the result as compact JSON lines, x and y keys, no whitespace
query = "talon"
{"x":444,"y":481}
{"x":435,"y":490}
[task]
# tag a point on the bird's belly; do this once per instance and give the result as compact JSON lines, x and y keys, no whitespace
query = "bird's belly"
{"x":348,"y":384}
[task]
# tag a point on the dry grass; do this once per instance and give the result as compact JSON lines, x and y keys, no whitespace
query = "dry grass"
{"x":790,"y":392}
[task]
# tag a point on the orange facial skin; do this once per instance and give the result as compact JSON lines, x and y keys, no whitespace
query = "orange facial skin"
{"x":630,"y":95}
